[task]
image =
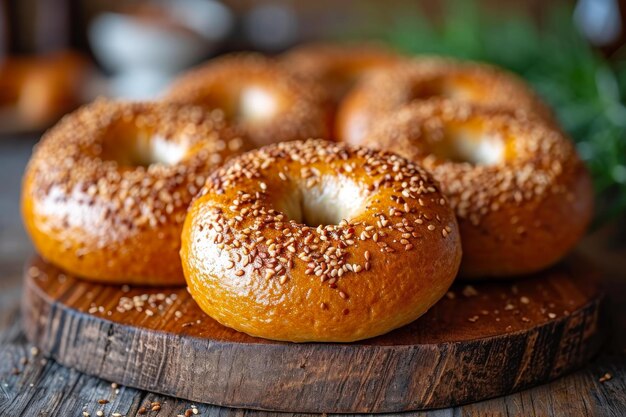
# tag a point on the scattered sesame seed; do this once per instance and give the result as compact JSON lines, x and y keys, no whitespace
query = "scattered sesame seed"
{"x":469,"y":291}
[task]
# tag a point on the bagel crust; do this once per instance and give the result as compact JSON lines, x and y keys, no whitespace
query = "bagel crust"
{"x":258,"y":96}
{"x":519,"y":212}
{"x":92,"y":211}
{"x":317,"y":241}
{"x":338,"y":67}
{"x":387,"y":90}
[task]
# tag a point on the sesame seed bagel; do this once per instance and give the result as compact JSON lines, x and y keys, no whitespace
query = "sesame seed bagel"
{"x":318,"y":241}
{"x":522,"y":196}
{"x":106,"y":191}
{"x":266,"y":102}
{"x":419,"y":79}
{"x":338,"y":66}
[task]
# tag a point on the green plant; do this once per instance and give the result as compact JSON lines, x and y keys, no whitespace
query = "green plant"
{"x":585,"y":90}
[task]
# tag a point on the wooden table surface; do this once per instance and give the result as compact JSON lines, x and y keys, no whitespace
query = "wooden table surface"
{"x":30,"y":385}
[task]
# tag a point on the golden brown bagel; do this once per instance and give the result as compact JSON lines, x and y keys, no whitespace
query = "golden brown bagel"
{"x":258,"y":96}
{"x":318,"y":241}
{"x":522,"y":196}
{"x":36,"y":91}
{"x":106,"y":191}
{"x":338,"y":67}
{"x":386,"y":90}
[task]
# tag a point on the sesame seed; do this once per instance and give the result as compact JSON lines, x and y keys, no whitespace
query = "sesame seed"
{"x":274,"y":245}
{"x":469,"y":291}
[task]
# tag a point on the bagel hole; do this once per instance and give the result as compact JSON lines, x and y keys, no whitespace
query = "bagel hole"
{"x":456,"y":88}
{"x":470,"y":145}
{"x":256,"y":104}
{"x":329,"y":202}
{"x":130,"y":146}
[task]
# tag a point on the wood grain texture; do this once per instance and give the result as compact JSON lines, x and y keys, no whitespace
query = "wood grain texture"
{"x":487,"y":340}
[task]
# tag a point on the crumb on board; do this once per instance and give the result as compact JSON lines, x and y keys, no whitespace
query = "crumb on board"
{"x":606,"y":377}
{"x":469,"y":291}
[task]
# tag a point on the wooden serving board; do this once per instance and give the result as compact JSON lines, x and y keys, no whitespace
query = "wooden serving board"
{"x":482,"y":340}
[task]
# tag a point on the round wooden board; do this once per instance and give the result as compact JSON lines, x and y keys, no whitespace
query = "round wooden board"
{"x":481,"y":341}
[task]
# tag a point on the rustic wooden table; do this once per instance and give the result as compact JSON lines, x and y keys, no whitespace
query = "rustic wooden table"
{"x":31,"y":385}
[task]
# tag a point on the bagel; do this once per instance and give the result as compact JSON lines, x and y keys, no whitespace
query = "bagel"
{"x":258,"y":96}
{"x":318,"y":241}
{"x":522,"y":196}
{"x":338,"y":67}
{"x":36,"y":91}
{"x":386,"y":90}
{"x":106,"y":191}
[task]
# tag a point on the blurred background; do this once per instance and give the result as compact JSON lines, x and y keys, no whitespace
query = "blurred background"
{"x":57,"y":54}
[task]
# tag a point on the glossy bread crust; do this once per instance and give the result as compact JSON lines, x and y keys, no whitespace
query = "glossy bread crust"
{"x":516,"y":216}
{"x":253,"y":264}
{"x":338,"y":67}
{"x":387,"y":90}
{"x":94,"y":214}
{"x":299,"y":107}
